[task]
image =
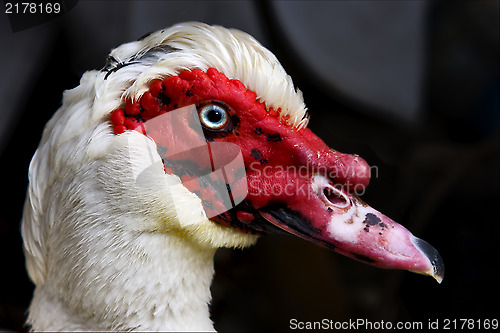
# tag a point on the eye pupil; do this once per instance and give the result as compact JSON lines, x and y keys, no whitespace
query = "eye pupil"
{"x":214,"y":116}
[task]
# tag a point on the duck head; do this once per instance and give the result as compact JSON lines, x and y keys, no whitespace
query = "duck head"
{"x":259,"y":169}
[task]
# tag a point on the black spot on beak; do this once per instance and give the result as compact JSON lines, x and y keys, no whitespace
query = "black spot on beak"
{"x":371,"y":219}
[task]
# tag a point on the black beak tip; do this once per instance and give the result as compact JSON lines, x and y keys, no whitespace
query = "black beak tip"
{"x":434,"y":257}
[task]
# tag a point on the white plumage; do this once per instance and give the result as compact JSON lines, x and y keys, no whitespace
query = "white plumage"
{"x":106,"y":253}
{"x":114,"y":241}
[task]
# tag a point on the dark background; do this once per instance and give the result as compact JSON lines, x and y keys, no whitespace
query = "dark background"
{"x":412,"y":87}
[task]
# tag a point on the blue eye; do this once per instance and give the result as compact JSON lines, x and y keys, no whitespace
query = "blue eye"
{"x":213,"y":116}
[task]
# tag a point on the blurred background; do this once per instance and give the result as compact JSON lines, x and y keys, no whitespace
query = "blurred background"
{"x":411,"y":86}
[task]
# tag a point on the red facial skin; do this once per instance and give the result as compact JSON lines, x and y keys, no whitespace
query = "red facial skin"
{"x":290,"y":173}
{"x":269,"y":145}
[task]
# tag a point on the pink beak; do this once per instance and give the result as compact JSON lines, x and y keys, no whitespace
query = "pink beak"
{"x":362,"y":233}
{"x":321,"y":208}
{"x":296,"y":184}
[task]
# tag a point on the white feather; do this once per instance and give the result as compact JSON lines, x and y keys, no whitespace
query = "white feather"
{"x":232,"y":52}
{"x":105,"y":250}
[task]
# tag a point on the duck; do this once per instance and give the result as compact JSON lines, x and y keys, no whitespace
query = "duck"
{"x":190,"y":139}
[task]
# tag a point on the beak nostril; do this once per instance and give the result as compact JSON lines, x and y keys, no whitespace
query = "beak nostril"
{"x":336,"y":197}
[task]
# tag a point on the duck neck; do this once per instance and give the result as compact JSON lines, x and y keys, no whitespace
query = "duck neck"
{"x":127,"y":288}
